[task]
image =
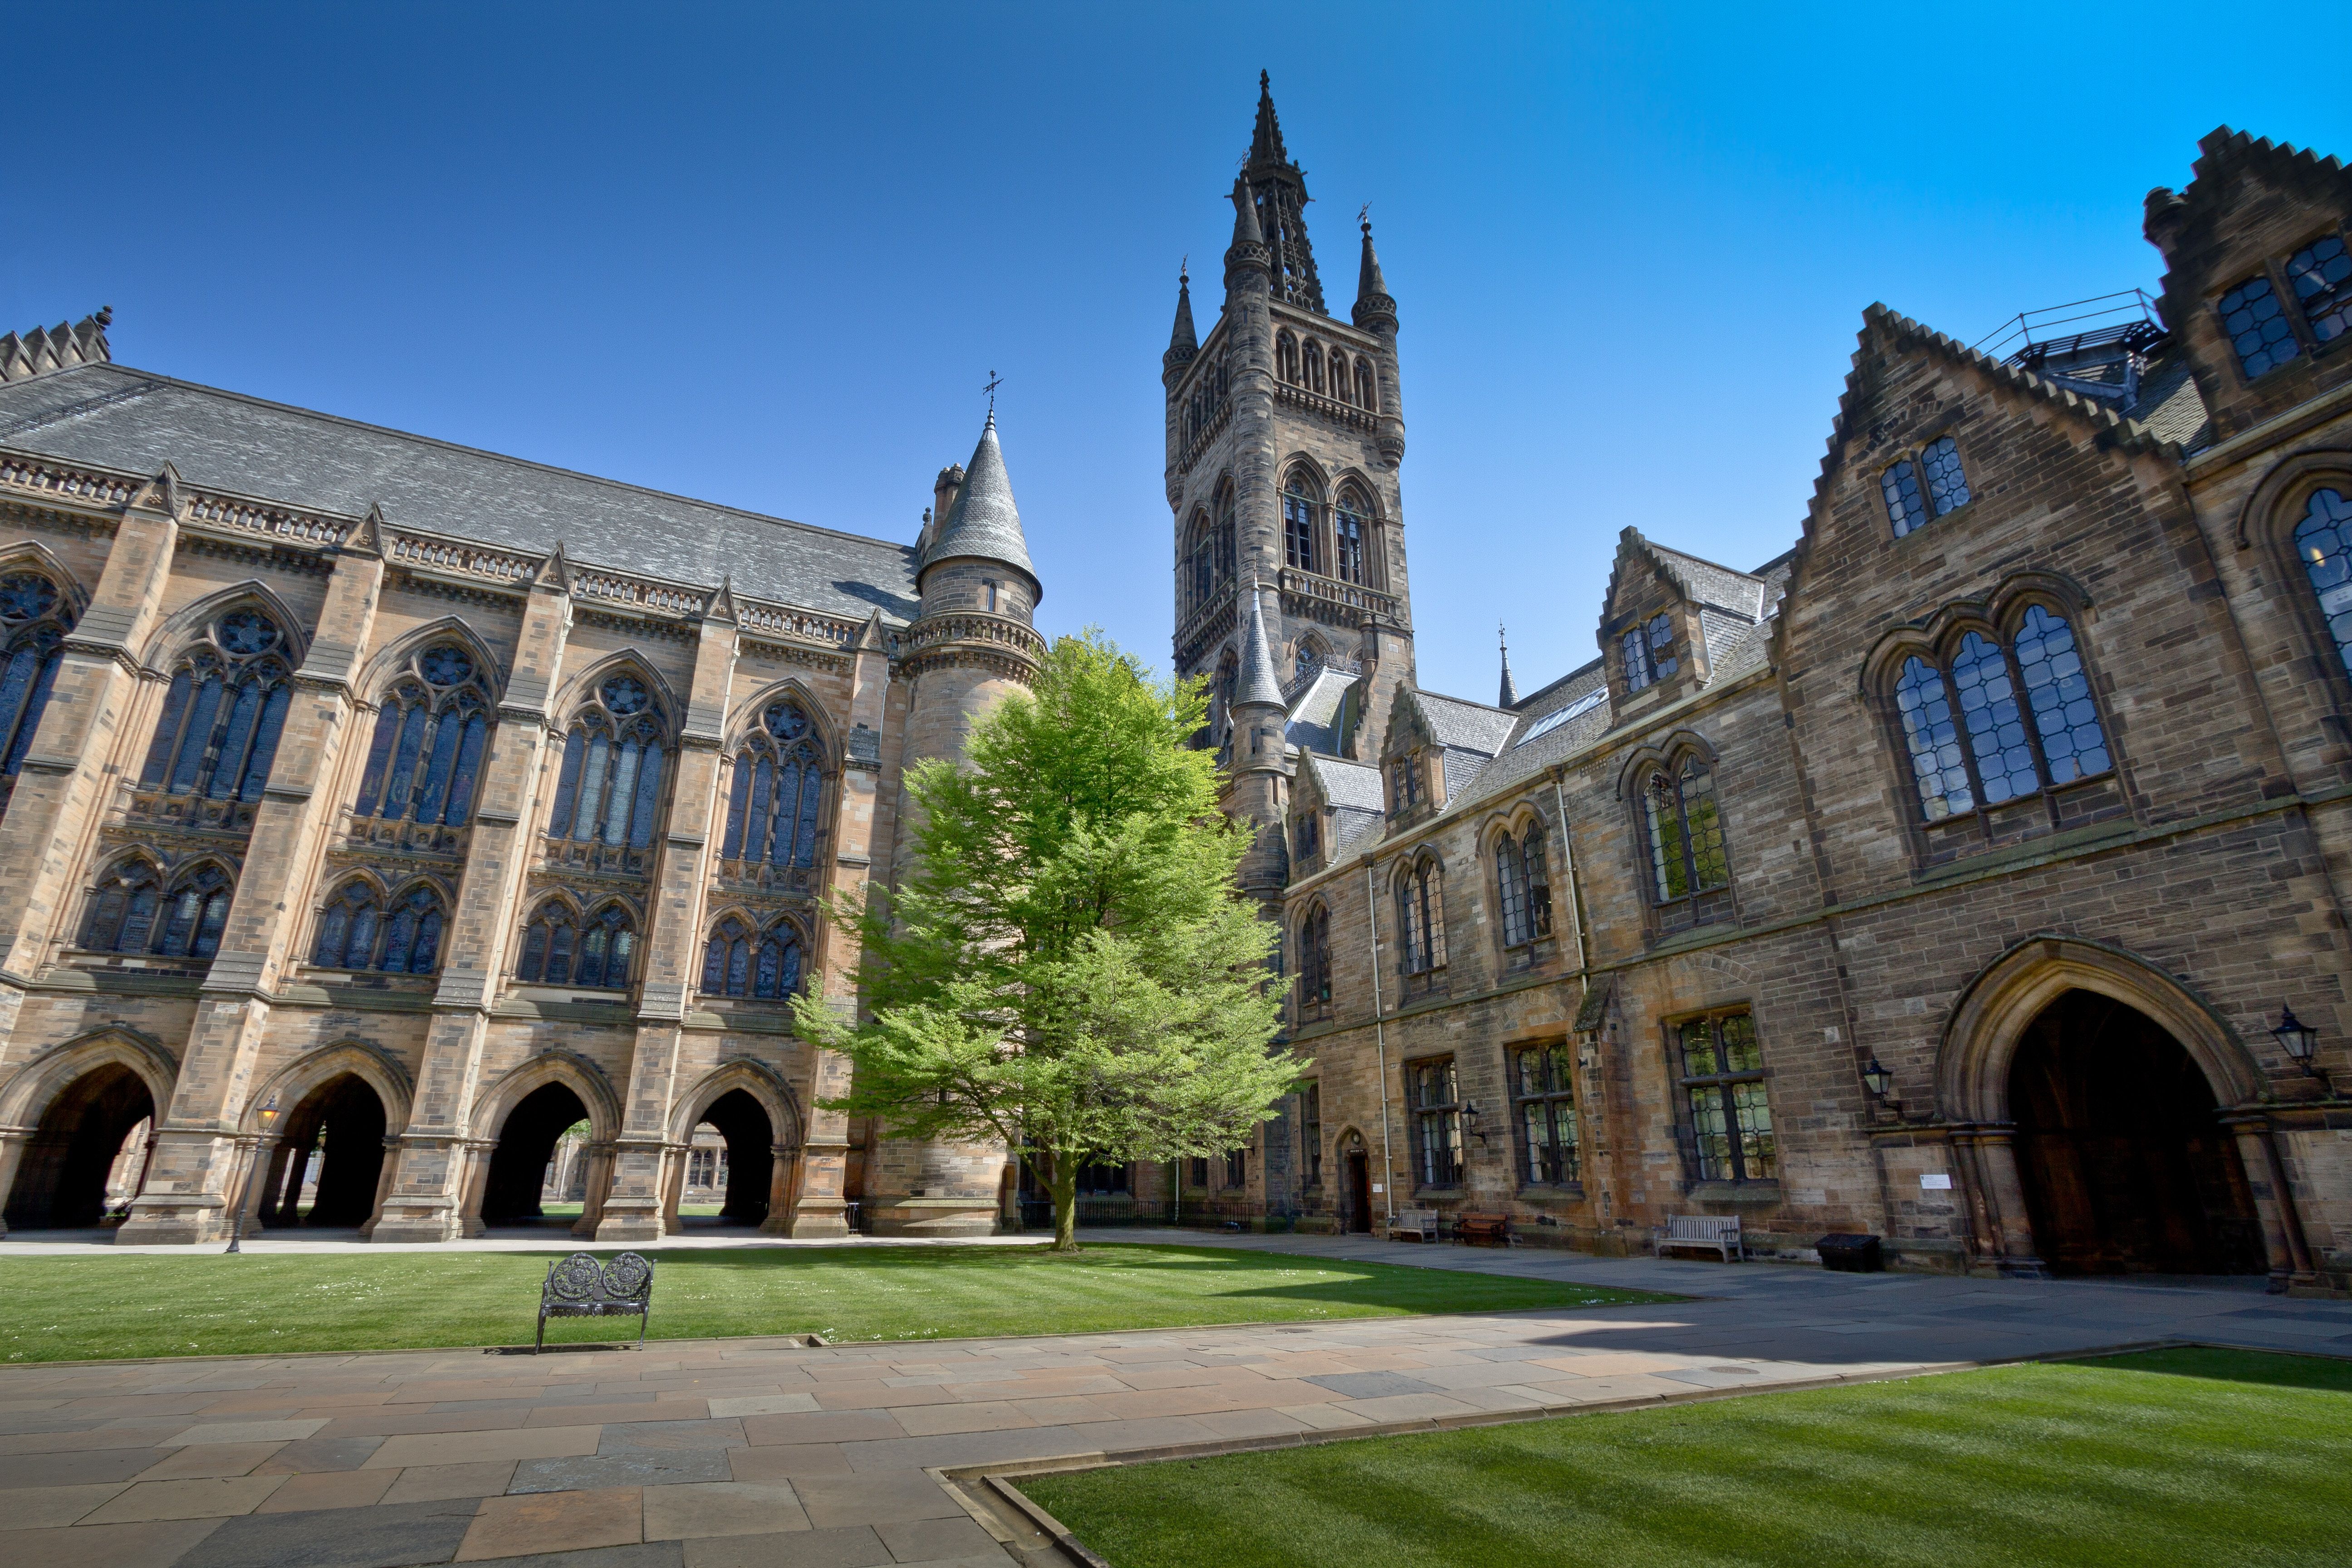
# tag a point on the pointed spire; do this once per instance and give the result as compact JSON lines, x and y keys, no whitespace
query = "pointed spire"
{"x":1265,"y":138}
{"x":1183,"y":343}
{"x":1258,"y":688}
{"x":1375,"y":309}
{"x":1510,"y":695}
{"x":984,"y":523}
{"x":1245,"y":229}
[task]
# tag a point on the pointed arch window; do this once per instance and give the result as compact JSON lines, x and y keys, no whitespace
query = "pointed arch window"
{"x":1998,"y":722}
{"x":761,"y":965}
{"x":1690,"y":872}
{"x":132,"y":911}
{"x":1367,"y":387}
{"x":2324,"y":539}
{"x":430,"y":735}
{"x":776,"y":804}
{"x":1225,"y":557}
{"x":224,"y":712}
{"x":610,"y":789}
{"x":357,"y":932}
{"x":1350,"y":526}
{"x":1523,"y":881}
{"x":560,"y":948}
{"x":1201,"y":564}
{"x":34,"y":619}
{"x":1301,"y":500}
{"x":1420,"y":917}
{"x":1315,"y":961}
{"x":1309,"y":659}
{"x":1313,"y":380}
{"x":1286,"y":355}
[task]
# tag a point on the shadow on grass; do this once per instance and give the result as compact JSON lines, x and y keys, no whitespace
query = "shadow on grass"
{"x":2269,"y":1369}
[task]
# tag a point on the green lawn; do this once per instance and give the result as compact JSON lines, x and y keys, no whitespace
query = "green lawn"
{"x":2171,"y":1457}
{"x":74,"y":1308}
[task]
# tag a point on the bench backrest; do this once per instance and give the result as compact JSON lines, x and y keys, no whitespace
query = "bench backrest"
{"x":1415,"y":1218}
{"x":580,"y":1280}
{"x":1701,"y":1227}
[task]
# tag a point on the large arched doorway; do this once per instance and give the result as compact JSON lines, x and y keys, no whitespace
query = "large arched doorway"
{"x":517,"y":1173}
{"x":62,"y":1179}
{"x":328,"y":1165}
{"x":2127,"y":1166}
{"x":737,"y":1172}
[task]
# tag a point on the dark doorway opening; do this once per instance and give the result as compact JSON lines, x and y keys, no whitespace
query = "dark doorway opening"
{"x":62,"y":1178}
{"x":525,"y":1143}
{"x":334,"y":1147}
{"x":743,"y":1122}
{"x":2127,"y":1168}
{"x":1359,"y":1193}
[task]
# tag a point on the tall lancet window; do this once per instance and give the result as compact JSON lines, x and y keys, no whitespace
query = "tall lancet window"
{"x":775,"y":801}
{"x":218,"y":733}
{"x":34,"y":620}
{"x":1301,"y":500}
{"x":1350,"y":525}
{"x":610,"y":789}
{"x":429,"y":738}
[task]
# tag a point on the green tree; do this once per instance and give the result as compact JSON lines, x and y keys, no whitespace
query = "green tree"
{"x":1067,"y":967}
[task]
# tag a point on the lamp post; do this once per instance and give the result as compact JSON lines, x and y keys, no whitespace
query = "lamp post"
{"x":267,"y":1115}
{"x":1470,"y":1114}
{"x":2300,"y":1040}
{"x":1877,"y":1079}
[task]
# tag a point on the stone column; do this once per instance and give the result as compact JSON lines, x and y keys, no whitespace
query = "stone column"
{"x":673,"y":942}
{"x":195,"y":1162}
{"x":434,"y":1179}
{"x":819,"y":1208}
{"x":80,"y":746}
{"x":2284,"y":1243}
{"x":2005,"y":1190}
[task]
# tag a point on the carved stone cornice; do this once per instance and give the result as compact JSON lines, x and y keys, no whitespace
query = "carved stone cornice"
{"x":972,"y":638}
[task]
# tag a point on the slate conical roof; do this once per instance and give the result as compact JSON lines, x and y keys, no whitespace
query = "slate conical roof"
{"x":1183,"y":343}
{"x":1511,"y":691}
{"x":1258,"y":687}
{"x":984,"y":525}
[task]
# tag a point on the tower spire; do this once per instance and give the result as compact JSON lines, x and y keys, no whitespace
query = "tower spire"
{"x":1257,"y":687}
{"x":1374,"y":308}
{"x":984,"y":525}
{"x":1278,"y":188}
{"x":1510,"y":694}
{"x":1183,"y":341}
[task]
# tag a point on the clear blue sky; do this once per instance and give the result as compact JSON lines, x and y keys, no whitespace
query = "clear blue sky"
{"x":768,"y":255}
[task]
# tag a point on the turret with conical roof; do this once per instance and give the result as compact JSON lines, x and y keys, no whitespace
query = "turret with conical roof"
{"x":982,"y":531}
{"x":1183,"y":344}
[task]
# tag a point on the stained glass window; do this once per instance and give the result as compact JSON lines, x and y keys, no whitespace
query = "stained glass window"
{"x":122,"y":910}
{"x":1299,"y":540}
{"x":764,"y":965}
{"x":2321,"y":275}
{"x":1348,"y":537}
{"x":2324,"y":539}
{"x":609,"y":790}
{"x":223,"y":713}
{"x":354,"y":932}
{"x":34,"y":620}
{"x":427,"y":754}
{"x":1905,"y":509}
{"x":774,"y":808}
{"x":2258,"y":328}
{"x":1948,"y":487}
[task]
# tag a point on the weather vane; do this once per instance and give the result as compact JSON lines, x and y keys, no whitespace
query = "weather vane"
{"x":1364,"y":217}
{"x":994,"y":380}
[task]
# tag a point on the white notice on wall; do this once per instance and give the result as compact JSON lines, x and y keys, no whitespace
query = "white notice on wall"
{"x":1936,"y":1182}
{"x":1376,"y":1186}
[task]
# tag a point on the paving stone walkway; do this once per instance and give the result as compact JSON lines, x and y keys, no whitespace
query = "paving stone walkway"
{"x":715,"y":1453}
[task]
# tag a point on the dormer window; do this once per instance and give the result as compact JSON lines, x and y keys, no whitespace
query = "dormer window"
{"x":2321,"y":275}
{"x":1649,"y":653}
{"x":1307,"y":835}
{"x":2257,"y":327}
{"x":1404,"y":785}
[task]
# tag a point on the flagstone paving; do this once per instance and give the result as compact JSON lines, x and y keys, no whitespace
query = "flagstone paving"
{"x":706,"y":1454}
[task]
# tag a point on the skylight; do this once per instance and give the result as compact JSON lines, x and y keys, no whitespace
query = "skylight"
{"x":1554,"y":720}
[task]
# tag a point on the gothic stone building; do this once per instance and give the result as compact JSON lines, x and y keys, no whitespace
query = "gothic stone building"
{"x":1944,"y":878}
{"x":378,"y":810}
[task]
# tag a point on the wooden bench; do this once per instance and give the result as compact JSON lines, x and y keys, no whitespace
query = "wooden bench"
{"x":1421,"y":1223}
{"x":577,"y":1288}
{"x":1699,"y":1232}
{"x":1490,"y":1229}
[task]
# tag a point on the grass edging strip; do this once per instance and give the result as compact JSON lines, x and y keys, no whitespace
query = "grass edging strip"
{"x":1000,"y":1480}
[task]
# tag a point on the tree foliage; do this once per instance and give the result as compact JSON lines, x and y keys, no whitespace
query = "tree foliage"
{"x":1067,"y":967}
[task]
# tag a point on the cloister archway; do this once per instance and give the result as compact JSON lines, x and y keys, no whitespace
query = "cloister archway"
{"x":62,"y":1172}
{"x":327,"y":1168}
{"x":757,"y":1117}
{"x":518,"y":1165}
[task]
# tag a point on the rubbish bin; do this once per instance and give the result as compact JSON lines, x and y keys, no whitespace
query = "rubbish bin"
{"x":1850,"y":1252}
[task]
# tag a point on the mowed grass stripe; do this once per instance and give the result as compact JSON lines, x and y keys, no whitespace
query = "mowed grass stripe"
{"x":2162,"y":1458}
{"x":74,"y":1308}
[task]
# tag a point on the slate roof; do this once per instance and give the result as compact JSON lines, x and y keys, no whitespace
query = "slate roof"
{"x":118,"y":417}
{"x":1354,"y":790}
{"x":1314,"y":723}
{"x":1454,"y":723}
{"x":984,"y":525}
{"x":1257,"y":683}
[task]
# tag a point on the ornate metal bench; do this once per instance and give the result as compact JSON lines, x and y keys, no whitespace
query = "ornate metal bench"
{"x":578,"y":1288}
{"x":1705,"y":1232}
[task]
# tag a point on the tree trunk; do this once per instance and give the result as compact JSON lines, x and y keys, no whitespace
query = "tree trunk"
{"x":1064,"y":1182}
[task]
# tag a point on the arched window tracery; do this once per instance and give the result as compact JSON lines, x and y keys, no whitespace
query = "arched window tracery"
{"x":1683,"y":827}
{"x":1301,"y":501}
{"x":34,"y":616}
{"x":224,"y":712}
{"x":1201,"y":563}
{"x":1368,"y":385}
{"x":561,"y":948}
{"x":1315,"y":960}
{"x":2324,"y":539}
{"x":1522,"y":883}
{"x":1313,"y":379}
{"x":426,"y":758}
{"x":774,"y":810}
{"x":132,"y":911}
{"x":1225,"y":557}
{"x":762,"y":965}
{"x":356,"y":931}
{"x":609,"y":791}
{"x":1421,"y":916}
{"x":1350,"y":526}
{"x":1999,"y":720}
